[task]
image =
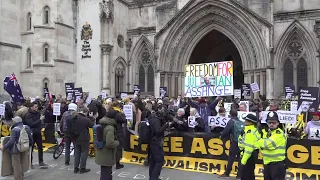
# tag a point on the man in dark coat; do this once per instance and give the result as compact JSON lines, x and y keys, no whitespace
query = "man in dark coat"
{"x":33,"y":119}
{"x":82,"y":140}
{"x":115,"y":113}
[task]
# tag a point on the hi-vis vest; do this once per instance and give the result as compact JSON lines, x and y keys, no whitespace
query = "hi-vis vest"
{"x":273,"y":148}
{"x":247,"y":141}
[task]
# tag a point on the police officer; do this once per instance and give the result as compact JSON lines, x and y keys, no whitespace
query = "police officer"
{"x":246,"y":146}
{"x":273,"y":149}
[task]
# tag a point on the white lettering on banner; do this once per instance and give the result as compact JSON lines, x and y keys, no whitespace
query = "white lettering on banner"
{"x":191,"y":121}
{"x":127,"y":110}
{"x":242,"y":115}
{"x":255,"y":87}
{"x":2,"y":109}
{"x":294,"y":106}
{"x":218,"y":121}
{"x":285,"y":117}
{"x":56,"y":109}
{"x":314,"y":133}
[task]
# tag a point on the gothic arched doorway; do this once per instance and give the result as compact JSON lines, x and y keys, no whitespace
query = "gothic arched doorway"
{"x":216,"y":47}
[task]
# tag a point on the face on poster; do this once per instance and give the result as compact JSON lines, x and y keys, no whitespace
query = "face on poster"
{"x":209,"y":79}
{"x":308,"y":99}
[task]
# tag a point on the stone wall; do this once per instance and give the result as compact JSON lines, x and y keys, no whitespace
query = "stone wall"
{"x":295,"y":5}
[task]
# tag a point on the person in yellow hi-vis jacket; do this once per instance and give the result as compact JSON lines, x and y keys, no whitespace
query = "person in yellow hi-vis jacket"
{"x":273,"y":149}
{"x":249,"y":155}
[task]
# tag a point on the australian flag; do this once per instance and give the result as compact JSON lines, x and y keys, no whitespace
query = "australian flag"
{"x":13,"y":88}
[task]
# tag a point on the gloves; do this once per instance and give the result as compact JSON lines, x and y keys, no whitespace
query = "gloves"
{"x":195,"y":123}
{"x":42,"y":117}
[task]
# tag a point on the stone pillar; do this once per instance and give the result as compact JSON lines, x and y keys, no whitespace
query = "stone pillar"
{"x":157,"y":77}
{"x":317,"y":30}
{"x":180,"y":83}
{"x":255,"y":79}
{"x":165,"y":79}
{"x":169,"y":84}
{"x":105,"y":51}
{"x":270,"y":79}
{"x":262,"y":88}
{"x":129,"y":67}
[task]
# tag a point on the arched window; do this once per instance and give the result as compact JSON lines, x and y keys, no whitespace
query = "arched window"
{"x":46,"y":15}
{"x":45,"y":83}
{"x":45,"y":53}
{"x":288,"y":73}
{"x":150,"y":79}
{"x":302,"y":73}
{"x":142,"y":79}
{"x":29,"y":58}
{"x":29,"y":21}
{"x":119,"y":73}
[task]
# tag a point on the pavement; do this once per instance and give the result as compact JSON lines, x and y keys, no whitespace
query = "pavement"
{"x":57,"y":170}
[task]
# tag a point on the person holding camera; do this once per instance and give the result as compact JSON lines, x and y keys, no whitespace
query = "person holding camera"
{"x":158,"y":125}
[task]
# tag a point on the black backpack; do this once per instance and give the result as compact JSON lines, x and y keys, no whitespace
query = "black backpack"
{"x":72,"y":129}
{"x":144,"y":131}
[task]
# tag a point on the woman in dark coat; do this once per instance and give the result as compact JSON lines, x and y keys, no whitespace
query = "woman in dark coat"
{"x":116,"y":113}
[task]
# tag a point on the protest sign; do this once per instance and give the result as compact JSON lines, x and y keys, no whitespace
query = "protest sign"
{"x":255,"y":87}
{"x":308,"y":99}
{"x":77,"y":94}
{"x":136,"y":89}
{"x":56,"y":109}
{"x":237,"y":93}
{"x":104,"y":94}
{"x":2,"y":109}
{"x":163,"y":92}
{"x":246,"y":90}
{"x":218,"y":121}
{"x":285,"y":117}
{"x":127,"y":110}
{"x":209,"y":79}
{"x":191,"y":121}
{"x":289,"y":90}
{"x":246,"y":104}
{"x":123,"y":95}
{"x":69,"y":91}
{"x":314,"y":133}
{"x":293,"y":106}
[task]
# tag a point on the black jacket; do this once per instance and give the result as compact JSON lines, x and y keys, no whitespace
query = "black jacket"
{"x":32,"y":119}
{"x":121,"y":122}
{"x":200,"y":127}
{"x":158,"y":126}
{"x":83,"y":124}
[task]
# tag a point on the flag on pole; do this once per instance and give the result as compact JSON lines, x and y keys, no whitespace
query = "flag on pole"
{"x":13,"y":88}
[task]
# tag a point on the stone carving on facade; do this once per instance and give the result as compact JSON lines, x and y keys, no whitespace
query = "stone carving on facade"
{"x":106,"y":10}
{"x":106,"y":49}
{"x":128,"y":45}
{"x":221,"y":19}
{"x":317,"y":28}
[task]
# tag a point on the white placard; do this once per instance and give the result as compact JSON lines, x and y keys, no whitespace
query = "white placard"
{"x":314,"y":133}
{"x":127,"y":110}
{"x":123,"y":95}
{"x":247,"y":105}
{"x":237,"y":93}
{"x":285,"y":117}
{"x":104,"y":94}
{"x":191,"y":121}
{"x":2,"y":109}
{"x":242,"y":115}
{"x":294,"y":106}
{"x":56,"y":109}
{"x":255,"y":87}
{"x":218,"y":121}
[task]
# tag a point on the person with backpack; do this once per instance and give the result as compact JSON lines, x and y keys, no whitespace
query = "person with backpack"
{"x":19,"y":145}
{"x":116,"y":113}
{"x":233,"y":130}
{"x":68,"y":115}
{"x":79,"y":131}
{"x":106,"y":146}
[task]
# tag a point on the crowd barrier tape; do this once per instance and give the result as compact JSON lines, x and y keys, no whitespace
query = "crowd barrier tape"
{"x":207,"y":153}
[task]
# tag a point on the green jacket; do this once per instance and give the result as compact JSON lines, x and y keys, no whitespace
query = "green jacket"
{"x":107,"y":155}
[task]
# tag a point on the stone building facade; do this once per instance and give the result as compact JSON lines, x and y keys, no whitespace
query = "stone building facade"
{"x":114,"y":44}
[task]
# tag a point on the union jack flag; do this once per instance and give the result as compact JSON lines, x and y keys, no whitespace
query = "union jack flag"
{"x":12,"y":86}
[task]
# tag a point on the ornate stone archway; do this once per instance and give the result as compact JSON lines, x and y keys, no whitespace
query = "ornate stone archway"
{"x":202,"y":17}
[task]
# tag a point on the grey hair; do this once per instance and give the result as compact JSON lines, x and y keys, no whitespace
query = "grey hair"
{"x":182,"y":110}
